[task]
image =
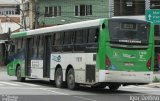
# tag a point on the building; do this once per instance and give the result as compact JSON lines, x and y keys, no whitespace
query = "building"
{"x":10,"y":21}
{"x":44,"y":13}
{"x":29,"y":14}
{"x":40,"y":13}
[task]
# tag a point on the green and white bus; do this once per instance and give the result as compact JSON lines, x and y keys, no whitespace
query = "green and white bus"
{"x":99,"y":53}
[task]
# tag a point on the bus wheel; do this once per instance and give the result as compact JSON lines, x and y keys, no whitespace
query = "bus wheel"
{"x":18,"y":74}
{"x":114,"y":87}
{"x":58,"y":78}
{"x":71,"y":80}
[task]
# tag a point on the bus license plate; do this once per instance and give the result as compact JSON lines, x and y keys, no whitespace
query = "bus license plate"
{"x":129,"y":64}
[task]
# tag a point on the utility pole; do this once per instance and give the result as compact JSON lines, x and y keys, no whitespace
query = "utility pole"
{"x":36,"y":15}
{"x":18,"y":10}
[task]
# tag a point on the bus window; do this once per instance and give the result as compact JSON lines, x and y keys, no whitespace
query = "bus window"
{"x":68,"y":36}
{"x":92,"y":40}
{"x":78,"y":44}
{"x":18,"y":45}
{"x":93,"y":35}
{"x":79,"y":37}
{"x":57,"y":42}
{"x":58,"y":39}
{"x":35,"y":43}
{"x":41,"y":47}
{"x":129,"y":32}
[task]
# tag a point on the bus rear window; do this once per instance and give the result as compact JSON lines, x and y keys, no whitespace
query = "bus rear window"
{"x":130,"y":31}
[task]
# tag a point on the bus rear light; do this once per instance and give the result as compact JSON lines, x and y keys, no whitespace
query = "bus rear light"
{"x":108,"y":62}
{"x":149,"y":64}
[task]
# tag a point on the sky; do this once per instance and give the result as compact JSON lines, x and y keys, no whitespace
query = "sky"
{"x":9,"y":1}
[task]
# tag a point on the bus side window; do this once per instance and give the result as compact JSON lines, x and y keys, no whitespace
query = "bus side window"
{"x":93,"y":35}
{"x":34,"y":54}
{"x":41,"y":47}
{"x":57,"y":42}
{"x":67,"y":46}
{"x":97,"y":35}
{"x":78,"y":43}
{"x":92,"y":40}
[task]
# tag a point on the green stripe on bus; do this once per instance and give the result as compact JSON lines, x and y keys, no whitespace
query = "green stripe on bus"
{"x":18,"y":34}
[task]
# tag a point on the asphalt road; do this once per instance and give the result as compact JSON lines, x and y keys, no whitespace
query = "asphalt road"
{"x":38,"y":90}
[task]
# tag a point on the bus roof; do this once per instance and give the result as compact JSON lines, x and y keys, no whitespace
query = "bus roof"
{"x":139,"y":17}
{"x":77,"y":25}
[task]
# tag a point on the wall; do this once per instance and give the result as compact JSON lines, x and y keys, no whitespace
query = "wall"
{"x":100,"y":9}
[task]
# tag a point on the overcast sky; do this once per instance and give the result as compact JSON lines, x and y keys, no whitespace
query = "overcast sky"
{"x":9,"y":1}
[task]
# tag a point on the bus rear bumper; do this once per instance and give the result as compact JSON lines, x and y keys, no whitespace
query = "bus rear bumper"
{"x":125,"y":76}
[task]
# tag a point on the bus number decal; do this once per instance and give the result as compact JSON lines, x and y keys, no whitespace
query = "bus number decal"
{"x":79,"y":59}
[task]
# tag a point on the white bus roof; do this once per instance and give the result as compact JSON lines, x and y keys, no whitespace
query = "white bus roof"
{"x":139,"y":17}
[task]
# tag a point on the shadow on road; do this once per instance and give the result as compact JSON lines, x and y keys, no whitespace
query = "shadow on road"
{"x":81,"y":88}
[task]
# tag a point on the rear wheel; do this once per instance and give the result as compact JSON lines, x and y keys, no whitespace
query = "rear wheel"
{"x":71,"y":80}
{"x":18,"y":74}
{"x":114,"y":87}
{"x":59,"y":78}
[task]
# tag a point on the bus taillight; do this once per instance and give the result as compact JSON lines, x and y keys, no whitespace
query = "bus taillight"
{"x":108,"y":62}
{"x":149,"y":63}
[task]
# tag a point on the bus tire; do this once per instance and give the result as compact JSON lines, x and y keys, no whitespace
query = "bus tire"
{"x":59,"y":78}
{"x":71,"y":80}
{"x":18,"y":74}
{"x":114,"y":87}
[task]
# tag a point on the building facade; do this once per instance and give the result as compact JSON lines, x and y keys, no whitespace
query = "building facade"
{"x":57,"y":12}
{"x":42,"y":13}
{"x":9,"y":22}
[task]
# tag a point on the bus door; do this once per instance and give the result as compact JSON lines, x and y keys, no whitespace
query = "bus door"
{"x":28,"y":55}
{"x":46,"y":58}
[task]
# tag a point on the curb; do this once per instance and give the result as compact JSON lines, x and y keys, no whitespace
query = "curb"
{"x":153,"y":85}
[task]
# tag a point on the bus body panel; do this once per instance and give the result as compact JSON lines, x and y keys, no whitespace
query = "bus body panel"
{"x":123,"y":77}
{"x":12,"y":66}
{"x":36,"y":68}
{"x":78,"y":61}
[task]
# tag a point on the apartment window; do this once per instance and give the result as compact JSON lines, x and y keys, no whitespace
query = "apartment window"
{"x":57,"y":11}
{"x":83,"y":10}
{"x":76,"y":10}
{"x":48,"y":11}
{"x":53,"y":11}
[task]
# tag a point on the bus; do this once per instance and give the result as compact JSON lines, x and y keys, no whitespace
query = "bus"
{"x":97,"y":53}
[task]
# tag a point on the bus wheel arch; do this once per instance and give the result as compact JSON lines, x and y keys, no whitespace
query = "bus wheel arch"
{"x":58,"y":76}
{"x":18,"y":73}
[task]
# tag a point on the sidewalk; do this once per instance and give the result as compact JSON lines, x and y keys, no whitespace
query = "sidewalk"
{"x":153,"y":85}
{"x":3,"y":68}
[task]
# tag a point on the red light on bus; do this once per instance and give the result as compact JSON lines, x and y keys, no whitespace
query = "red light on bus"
{"x":108,"y":62}
{"x":149,"y":63}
